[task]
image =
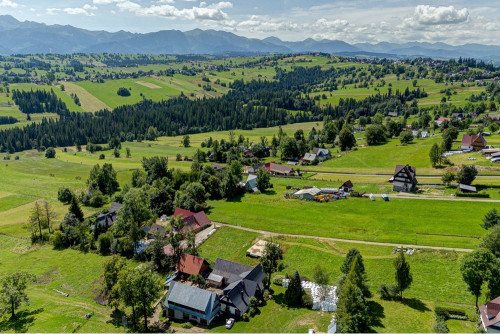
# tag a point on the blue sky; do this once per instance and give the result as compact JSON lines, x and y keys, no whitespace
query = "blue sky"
{"x":453,"y":22}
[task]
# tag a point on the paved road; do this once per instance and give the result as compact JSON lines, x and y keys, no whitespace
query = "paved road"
{"x":274,"y":234}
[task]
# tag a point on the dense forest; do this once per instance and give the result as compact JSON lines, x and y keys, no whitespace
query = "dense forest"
{"x":39,"y":101}
{"x":258,"y":103}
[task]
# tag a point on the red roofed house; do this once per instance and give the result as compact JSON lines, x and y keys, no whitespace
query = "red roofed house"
{"x":193,"y":222}
{"x":473,"y":142}
{"x":192,"y":265}
{"x":490,"y":316}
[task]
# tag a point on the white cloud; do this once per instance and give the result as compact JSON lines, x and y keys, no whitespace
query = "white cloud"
{"x":8,"y":3}
{"x":85,"y":10}
{"x":213,"y":12}
{"x":89,"y":7}
{"x":428,"y":15}
{"x":106,"y":2}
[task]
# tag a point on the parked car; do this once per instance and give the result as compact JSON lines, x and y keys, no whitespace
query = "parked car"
{"x":230,"y":323}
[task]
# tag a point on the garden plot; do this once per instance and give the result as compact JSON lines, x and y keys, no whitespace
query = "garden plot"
{"x":324,"y":298}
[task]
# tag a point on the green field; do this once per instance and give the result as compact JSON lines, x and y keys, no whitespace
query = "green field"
{"x":70,"y":271}
{"x":400,"y":221}
{"x":436,"y":281}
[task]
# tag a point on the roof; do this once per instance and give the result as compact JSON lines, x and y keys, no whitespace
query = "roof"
{"x":444,"y":119}
{"x":409,"y":170}
{"x":230,"y":270}
{"x":192,"y":265}
{"x":348,"y":184}
{"x":108,"y":218}
{"x":192,"y":297}
{"x":241,"y":290}
{"x":217,"y":167}
{"x":468,"y":140}
{"x":311,"y":191}
{"x":156,"y":228}
{"x":490,"y":312}
{"x":251,"y":181}
{"x":468,"y":188}
{"x":184,"y":213}
{"x":281,"y":169}
{"x":321,"y":151}
{"x":192,"y":221}
{"x":215,"y":278}
{"x":309,"y":156}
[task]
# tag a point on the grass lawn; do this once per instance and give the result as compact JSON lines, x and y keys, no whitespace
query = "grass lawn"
{"x":436,"y":280}
{"x":405,"y":221}
{"x":70,"y":271}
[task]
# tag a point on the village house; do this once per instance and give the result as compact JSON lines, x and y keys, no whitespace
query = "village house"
{"x":251,"y":183}
{"x":192,"y":265}
{"x":218,"y":168}
{"x":321,"y":153}
{"x":392,"y":114}
{"x":490,"y":316}
{"x":106,"y":219}
{"x":239,"y":282}
{"x":404,"y":179}
{"x":189,"y":303}
{"x":347,"y":186}
{"x":192,"y":222}
{"x":473,"y":142}
{"x":274,"y":169}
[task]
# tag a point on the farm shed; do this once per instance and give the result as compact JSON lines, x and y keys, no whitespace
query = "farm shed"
{"x":467,"y":189}
{"x":307,"y":194}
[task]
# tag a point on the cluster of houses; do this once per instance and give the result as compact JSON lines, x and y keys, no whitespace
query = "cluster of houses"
{"x":230,"y":287}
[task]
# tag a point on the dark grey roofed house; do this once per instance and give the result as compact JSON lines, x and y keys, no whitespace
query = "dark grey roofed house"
{"x":230,"y":270}
{"x":405,"y":178}
{"x":190,"y":303}
{"x":106,"y":219}
{"x":242,"y":283}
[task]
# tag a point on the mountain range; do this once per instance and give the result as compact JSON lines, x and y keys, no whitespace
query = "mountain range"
{"x":29,"y":37}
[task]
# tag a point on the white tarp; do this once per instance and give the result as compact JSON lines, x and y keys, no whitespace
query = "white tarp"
{"x":328,"y":304}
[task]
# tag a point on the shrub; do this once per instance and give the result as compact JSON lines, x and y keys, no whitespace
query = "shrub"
{"x":440,"y":327}
{"x":101,"y":156}
{"x":104,"y":243}
{"x":50,"y":153}
{"x":476,"y":195}
{"x":122,"y":91}
{"x":441,"y":313}
{"x":97,"y":200}
{"x":65,"y":195}
{"x":278,"y":280}
{"x":307,"y":300}
{"x":187,"y":325}
{"x":245,"y":317}
{"x":387,"y":292}
{"x":57,"y":239}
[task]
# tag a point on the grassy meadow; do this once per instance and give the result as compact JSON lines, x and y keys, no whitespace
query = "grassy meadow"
{"x":70,"y":271}
{"x":436,"y":282}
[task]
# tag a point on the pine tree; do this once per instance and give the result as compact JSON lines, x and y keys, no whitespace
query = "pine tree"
{"x":294,"y":292}
{"x":75,"y":209}
{"x":403,"y":275}
{"x":352,"y":312}
{"x":491,"y":219}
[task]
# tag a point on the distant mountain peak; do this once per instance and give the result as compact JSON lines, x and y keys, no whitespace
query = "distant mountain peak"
{"x":33,"y":37}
